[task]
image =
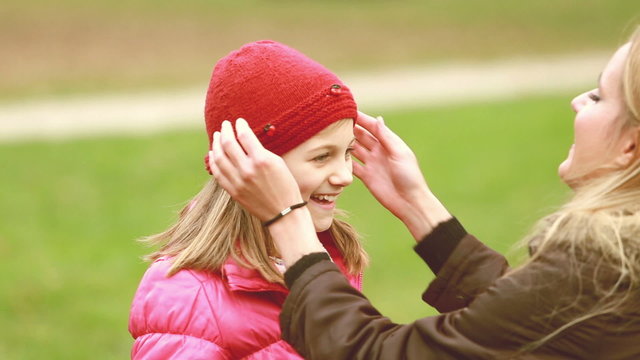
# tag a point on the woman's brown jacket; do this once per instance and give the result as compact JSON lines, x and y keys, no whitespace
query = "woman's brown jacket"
{"x":488,"y":312}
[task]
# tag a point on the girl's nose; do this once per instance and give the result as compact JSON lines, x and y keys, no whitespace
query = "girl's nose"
{"x":343,"y":175}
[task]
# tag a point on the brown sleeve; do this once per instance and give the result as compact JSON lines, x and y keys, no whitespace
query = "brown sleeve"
{"x":464,"y":266}
{"x":468,"y":272}
{"x":325,"y":318}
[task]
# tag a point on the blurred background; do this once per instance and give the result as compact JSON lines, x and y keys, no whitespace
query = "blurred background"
{"x":72,"y":207}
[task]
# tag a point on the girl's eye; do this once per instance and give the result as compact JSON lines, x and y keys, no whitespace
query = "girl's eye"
{"x":594,"y":97}
{"x":321,"y":158}
{"x":347,"y":153}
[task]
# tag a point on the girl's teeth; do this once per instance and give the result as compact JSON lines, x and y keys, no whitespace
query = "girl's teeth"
{"x":325,"y":197}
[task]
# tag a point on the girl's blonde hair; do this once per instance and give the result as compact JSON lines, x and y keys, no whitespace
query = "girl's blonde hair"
{"x":213,"y":227}
{"x":600,"y":225}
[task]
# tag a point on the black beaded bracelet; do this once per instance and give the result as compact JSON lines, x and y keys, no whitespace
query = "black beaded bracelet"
{"x":283,"y":213}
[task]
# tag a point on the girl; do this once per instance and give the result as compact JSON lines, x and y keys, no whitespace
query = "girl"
{"x":577,"y":297}
{"x":215,"y":287}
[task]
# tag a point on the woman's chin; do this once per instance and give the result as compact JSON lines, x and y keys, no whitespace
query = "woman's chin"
{"x":563,"y":171}
{"x":565,"y":167}
{"x":565,"y":175}
{"x":569,"y":178}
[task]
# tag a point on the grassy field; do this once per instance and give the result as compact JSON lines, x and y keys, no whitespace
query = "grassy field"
{"x":70,"y":46}
{"x":71,"y":211}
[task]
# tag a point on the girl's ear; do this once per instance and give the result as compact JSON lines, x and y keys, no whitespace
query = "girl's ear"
{"x":630,"y":149}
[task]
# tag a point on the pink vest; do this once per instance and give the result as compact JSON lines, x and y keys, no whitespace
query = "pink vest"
{"x":231,"y":314}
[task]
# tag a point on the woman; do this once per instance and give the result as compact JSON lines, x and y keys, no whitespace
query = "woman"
{"x":215,"y":288}
{"x":577,"y":297}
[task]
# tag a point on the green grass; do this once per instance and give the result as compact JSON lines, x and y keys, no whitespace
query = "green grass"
{"x":71,"y":211}
{"x":70,"y":46}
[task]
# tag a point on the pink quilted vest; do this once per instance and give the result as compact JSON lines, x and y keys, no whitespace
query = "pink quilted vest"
{"x":231,"y":314}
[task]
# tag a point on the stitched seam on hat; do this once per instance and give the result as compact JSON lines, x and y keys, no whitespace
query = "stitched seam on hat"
{"x":311,"y":114}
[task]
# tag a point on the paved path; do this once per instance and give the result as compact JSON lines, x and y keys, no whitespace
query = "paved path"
{"x":375,"y":92}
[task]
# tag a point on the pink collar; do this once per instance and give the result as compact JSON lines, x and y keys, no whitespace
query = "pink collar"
{"x":240,"y":278}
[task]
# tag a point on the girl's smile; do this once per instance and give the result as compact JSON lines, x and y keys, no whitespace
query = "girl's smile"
{"x":322,"y":167}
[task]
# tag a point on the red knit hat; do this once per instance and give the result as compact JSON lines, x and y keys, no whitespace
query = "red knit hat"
{"x":285,"y":96}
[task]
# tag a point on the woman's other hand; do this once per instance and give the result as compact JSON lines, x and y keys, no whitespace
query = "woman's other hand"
{"x":255,"y":177}
{"x":390,"y":171}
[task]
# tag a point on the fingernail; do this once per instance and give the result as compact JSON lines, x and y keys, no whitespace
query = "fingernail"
{"x":379,"y":118}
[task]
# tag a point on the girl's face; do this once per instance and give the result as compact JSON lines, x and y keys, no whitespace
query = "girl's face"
{"x":322,"y":167}
{"x":597,"y":147}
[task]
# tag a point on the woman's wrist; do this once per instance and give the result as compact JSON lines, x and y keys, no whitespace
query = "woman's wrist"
{"x":284,"y":213}
{"x":425,"y":213}
{"x":294,"y":235}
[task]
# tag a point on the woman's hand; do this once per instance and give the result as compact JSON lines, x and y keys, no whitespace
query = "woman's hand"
{"x":261,"y":182}
{"x":255,"y":177}
{"x":390,"y":171}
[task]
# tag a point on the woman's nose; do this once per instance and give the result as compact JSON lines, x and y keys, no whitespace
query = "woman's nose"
{"x":580,"y":101}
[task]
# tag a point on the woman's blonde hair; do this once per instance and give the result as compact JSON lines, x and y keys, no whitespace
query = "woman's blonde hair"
{"x":600,"y":225}
{"x":213,"y":227}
